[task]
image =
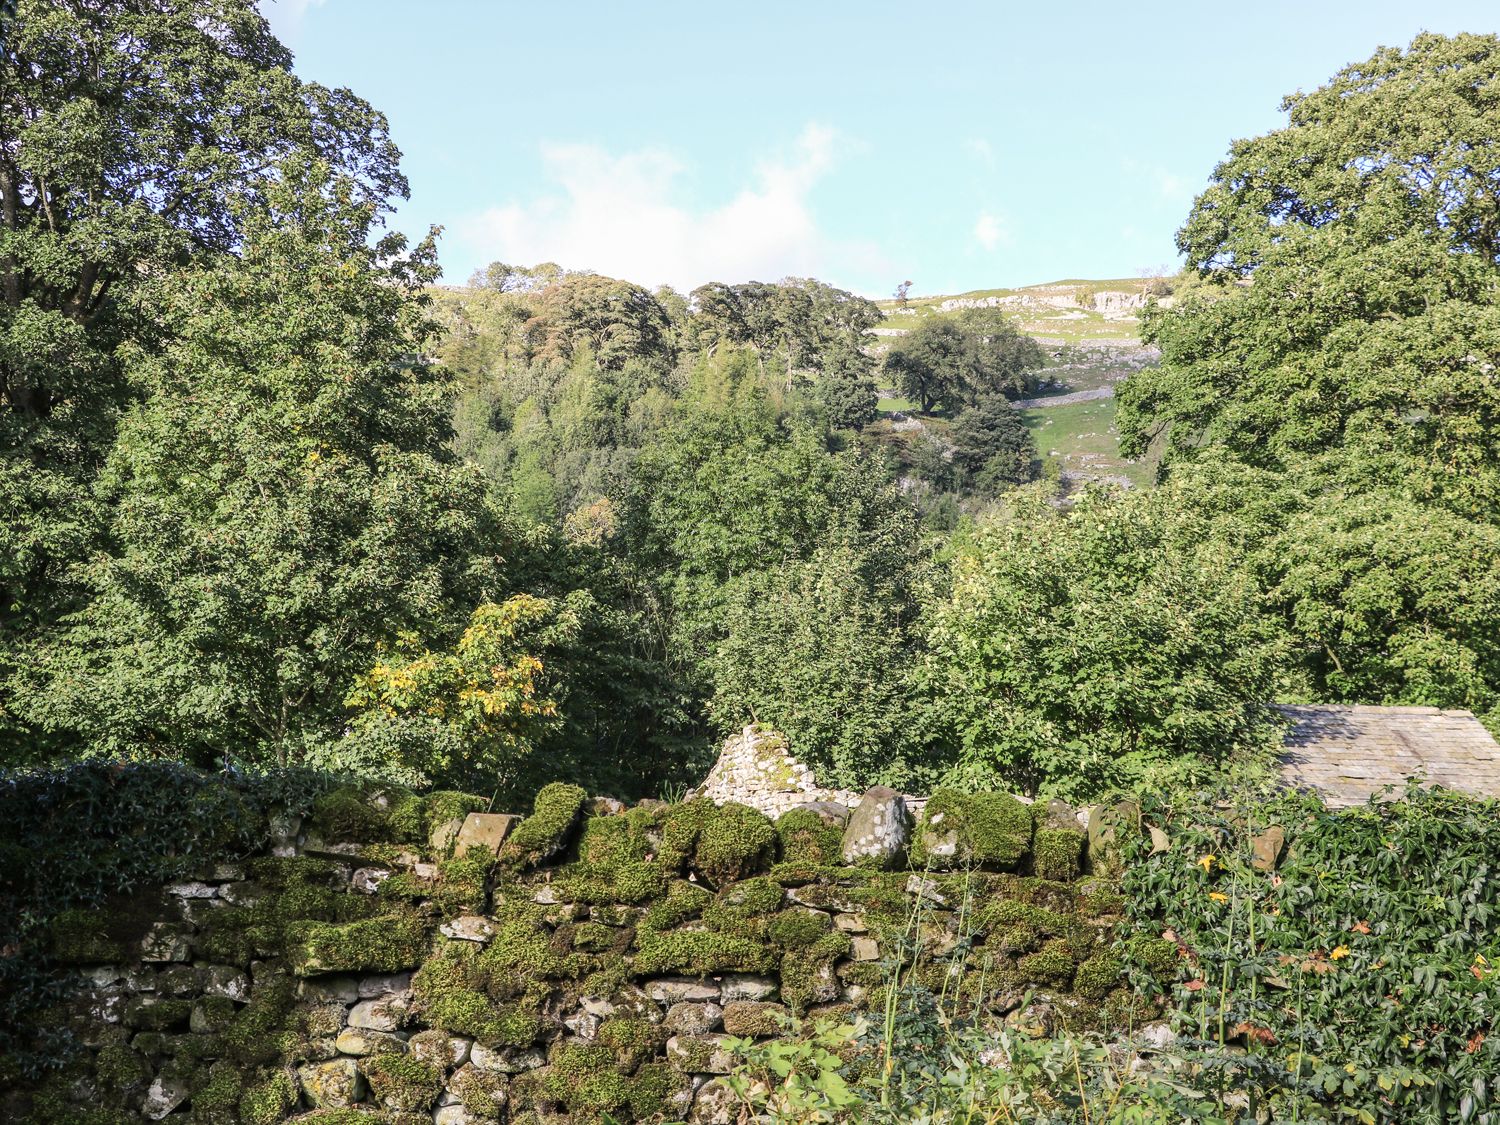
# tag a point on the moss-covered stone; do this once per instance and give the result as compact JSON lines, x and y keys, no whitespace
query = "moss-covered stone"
{"x":798,"y":928}
{"x":723,"y":844}
{"x":548,"y":831}
{"x":699,"y":952}
{"x":1053,"y":965}
{"x":633,"y":1040}
{"x":449,"y":993}
{"x":347,"y":814}
{"x":807,"y":839}
{"x":683,"y":902}
{"x":587,"y":1078}
{"x":1098,"y":976}
{"x":1057,"y":853}
{"x":990,"y":830}
{"x":1156,"y":956}
{"x":149,"y":1013}
{"x":270,"y":1100}
{"x":807,"y":975}
{"x":82,"y":937}
{"x":616,"y":860}
{"x":403,"y":1082}
{"x":484,"y":1094}
{"x":594,"y":937}
{"x":385,"y":944}
{"x":256,"y":1035}
{"x":754,"y":1019}
{"x":120,"y":1068}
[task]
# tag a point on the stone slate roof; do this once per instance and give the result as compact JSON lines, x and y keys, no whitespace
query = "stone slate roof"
{"x":1348,"y":753}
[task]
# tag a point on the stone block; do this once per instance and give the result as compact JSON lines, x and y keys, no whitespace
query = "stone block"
{"x":439,"y":1049}
{"x":865,"y":949}
{"x":484,"y":831}
{"x":877,"y":829}
{"x":700,"y":1054}
{"x":387,"y":1013}
{"x":360,"y":1041}
{"x":744,"y":986}
{"x":1266,"y":848}
{"x":333,"y":1084}
{"x":166,"y":941}
{"x":342,"y":990}
{"x":672,"y":990}
{"x":164,"y":1095}
{"x":506,"y":1060}
{"x":693,"y":1019}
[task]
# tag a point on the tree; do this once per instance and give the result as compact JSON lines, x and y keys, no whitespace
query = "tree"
{"x":133,"y":137}
{"x":812,"y":650}
{"x":992,"y":448}
{"x":1100,"y":647}
{"x":945,"y":363}
{"x":846,"y":390}
{"x":1349,"y":263}
{"x":614,"y":320}
{"x":902,"y":294}
{"x":470,"y":717}
{"x":284,"y":500}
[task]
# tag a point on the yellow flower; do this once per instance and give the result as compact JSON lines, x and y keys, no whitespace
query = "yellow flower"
{"x":1218,"y":896}
{"x":1339,"y":953}
{"x":1207,"y":862}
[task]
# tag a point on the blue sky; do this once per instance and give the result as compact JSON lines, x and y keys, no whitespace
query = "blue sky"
{"x":961,"y":145}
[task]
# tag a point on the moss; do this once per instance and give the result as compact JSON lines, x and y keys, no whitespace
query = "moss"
{"x":213,"y":1014}
{"x":806,"y":973}
{"x":1053,"y":965}
{"x":634,"y":1041}
{"x":593,"y":937}
{"x":444,"y":805}
{"x":798,"y":929}
{"x":483,"y":1094}
{"x":1058,"y":853}
{"x":1157,"y":956}
{"x":807,"y":840}
{"x":751,"y":1019}
{"x":447,"y":989}
{"x":546,"y":832}
{"x":217,"y":1092}
{"x":1098,"y":976}
{"x":734,"y":842}
{"x":347,"y":814}
{"x":523,"y":952}
{"x":1100,"y":898}
{"x":699,"y":952}
{"x":81,"y":937}
{"x":403,"y":1082}
{"x":121,"y":1069}
{"x":385,"y":944}
{"x":251,"y":1040}
{"x":1020,"y":938}
{"x":586,"y":1077}
{"x":616,"y":861}
{"x":269,"y":1101}
{"x":651,"y":1090}
{"x":683,"y":902}
{"x":989,"y":829}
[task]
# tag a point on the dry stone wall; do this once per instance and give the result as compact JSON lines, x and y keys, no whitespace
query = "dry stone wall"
{"x":416,"y":960}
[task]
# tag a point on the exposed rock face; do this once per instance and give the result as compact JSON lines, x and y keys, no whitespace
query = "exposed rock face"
{"x":756,"y":768}
{"x":878,"y":829}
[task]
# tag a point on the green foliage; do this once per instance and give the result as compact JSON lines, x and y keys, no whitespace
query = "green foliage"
{"x":946,"y":363}
{"x":1359,"y":975}
{"x":992,"y":447}
{"x":282,"y":498}
{"x":1100,"y":647}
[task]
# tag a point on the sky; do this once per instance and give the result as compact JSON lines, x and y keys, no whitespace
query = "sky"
{"x":959,"y":146}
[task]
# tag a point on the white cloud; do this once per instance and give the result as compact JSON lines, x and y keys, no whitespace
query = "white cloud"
{"x":622,"y":214}
{"x":991,"y":230}
{"x":981,"y":150}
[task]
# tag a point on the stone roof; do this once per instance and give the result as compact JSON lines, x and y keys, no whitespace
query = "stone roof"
{"x":1348,"y":753}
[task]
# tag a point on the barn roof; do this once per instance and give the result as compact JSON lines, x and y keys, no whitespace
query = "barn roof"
{"x":1348,"y":753}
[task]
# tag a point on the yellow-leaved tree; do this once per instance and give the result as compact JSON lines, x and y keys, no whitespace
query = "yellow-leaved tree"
{"x":471,"y":716}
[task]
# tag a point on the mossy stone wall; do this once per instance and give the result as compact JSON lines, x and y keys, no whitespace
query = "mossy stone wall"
{"x":590,"y":966}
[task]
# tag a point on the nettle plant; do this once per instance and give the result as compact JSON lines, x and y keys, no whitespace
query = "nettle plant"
{"x":1358,"y":979}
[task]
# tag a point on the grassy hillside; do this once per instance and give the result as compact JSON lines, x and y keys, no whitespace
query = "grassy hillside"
{"x":1091,"y":333}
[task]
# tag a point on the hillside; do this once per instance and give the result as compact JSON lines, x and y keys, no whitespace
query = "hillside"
{"x":1091,"y":332}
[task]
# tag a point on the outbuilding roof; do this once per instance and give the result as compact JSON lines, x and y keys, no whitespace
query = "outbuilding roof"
{"x":1349,"y":753}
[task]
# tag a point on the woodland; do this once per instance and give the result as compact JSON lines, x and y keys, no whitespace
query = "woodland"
{"x":278,"y":508}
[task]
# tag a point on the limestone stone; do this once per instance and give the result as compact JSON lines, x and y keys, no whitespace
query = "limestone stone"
{"x":744,"y":986}
{"x":454,"y":1115}
{"x":386,"y":1013}
{"x":166,"y":941}
{"x":367,"y":880}
{"x":442,"y":837}
{"x":832,"y":813}
{"x":878,"y":828}
{"x":919,"y":886}
{"x":583,"y":1025}
{"x":333,"y":1084}
{"x":851,"y":923}
{"x":339,"y":989}
{"x":671,"y":990}
{"x":693,"y":1019}
{"x":361,"y":1041}
{"x":193,"y":890}
{"x":865,"y":949}
{"x":484,"y":831}
{"x":469,"y":927}
{"x":756,"y":768}
{"x":716,"y":1103}
{"x":163,"y":1096}
{"x":383,"y":985}
{"x":606,"y":806}
{"x":753,"y":1018}
{"x":505,"y":1060}
{"x":700,"y":1054}
{"x":226,"y":981}
{"x":1156,"y":1036}
{"x":439,"y":1049}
